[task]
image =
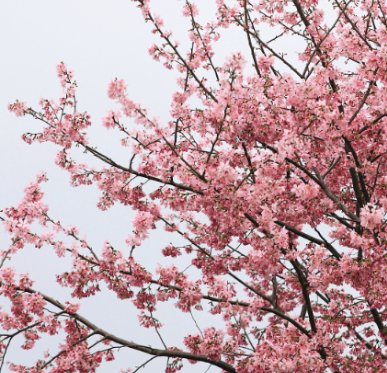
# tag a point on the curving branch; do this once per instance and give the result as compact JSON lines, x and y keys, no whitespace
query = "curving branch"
{"x":132,"y":345}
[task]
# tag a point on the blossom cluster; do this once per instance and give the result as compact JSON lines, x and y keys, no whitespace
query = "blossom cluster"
{"x":275,"y":181}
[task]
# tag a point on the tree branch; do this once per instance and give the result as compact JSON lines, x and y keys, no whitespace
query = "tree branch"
{"x":132,"y":345}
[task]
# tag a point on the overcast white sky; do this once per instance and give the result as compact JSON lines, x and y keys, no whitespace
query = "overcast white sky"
{"x":99,"y":40}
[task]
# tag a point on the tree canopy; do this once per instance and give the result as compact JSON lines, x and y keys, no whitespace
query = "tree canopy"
{"x":273,"y":173}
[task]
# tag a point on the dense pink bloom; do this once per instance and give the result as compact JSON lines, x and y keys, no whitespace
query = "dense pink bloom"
{"x":269,"y":178}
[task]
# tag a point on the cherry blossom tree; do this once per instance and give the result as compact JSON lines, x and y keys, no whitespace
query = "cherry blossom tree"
{"x":273,"y":173}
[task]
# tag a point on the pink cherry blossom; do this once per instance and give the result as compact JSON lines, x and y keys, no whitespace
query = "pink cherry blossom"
{"x":269,"y":178}
{"x":19,"y":108}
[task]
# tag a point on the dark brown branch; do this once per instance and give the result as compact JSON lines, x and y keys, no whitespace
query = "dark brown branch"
{"x":217,"y":135}
{"x":355,"y":28}
{"x":355,"y":183}
{"x":333,"y":165}
{"x":195,"y":25}
{"x":315,"y":240}
{"x":166,"y":38}
{"x":304,"y":287}
{"x":362,"y":102}
{"x":250,"y":43}
{"x":255,"y":291}
{"x":317,"y":48}
{"x":376,"y":176}
{"x":271,"y":50}
{"x":132,"y":345}
{"x":275,"y":310}
{"x":341,"y":220}
{"x":324,"y":297}
{"x":334,"y":198}
{"x":144,"y":364}
{"x":287,"y":318}
{"x":379,"y":323}
{"x":249,"y":161}
{"x":380,"y":117}
{"x":368,"y":345}
{"x":109,"y":161}
{"x":301,"y":13}
{"x":191,"y":168}
{"x":348,"y":145}
{"x":384,"y":21}
{"x":263,"y":296}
